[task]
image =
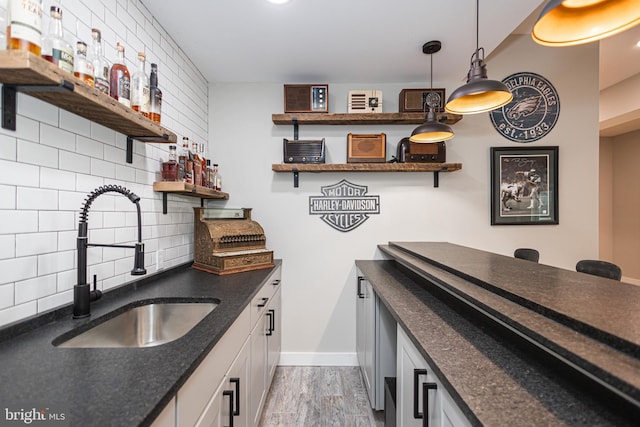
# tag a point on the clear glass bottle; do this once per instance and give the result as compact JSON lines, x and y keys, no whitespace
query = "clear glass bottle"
{"x":54,"y":47}
{"x":140,"y":87}
{"x":155,"y":95}
{"x":24,"y":23}
{"x":209,"y":174}
{"x":203,"y":162}
{"x":120,"y":79}
{"x":186,"y":161}
{"x":197,"y":164}
{"x":83,"y":69}
{"x":100,"y":63}
{"x":217,"y":178}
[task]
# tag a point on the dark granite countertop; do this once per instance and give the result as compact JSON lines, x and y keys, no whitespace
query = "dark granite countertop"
{"x":493,"y":381}
{"x":118,"y":386}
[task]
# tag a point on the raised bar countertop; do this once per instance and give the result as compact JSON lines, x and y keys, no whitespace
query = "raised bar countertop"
{"x":493,"y":381}
{"x":118,"y":386}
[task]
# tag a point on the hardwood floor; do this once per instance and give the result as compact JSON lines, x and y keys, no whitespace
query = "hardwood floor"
{"x":307,"y":396}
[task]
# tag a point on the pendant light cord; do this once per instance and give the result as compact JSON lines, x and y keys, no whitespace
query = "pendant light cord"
{"x":477,"y":25}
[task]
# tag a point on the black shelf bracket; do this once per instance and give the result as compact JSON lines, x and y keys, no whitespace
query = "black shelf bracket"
{"x":129,"y":156}
{"x":296,"y":177}
{"x":436,"y":179}
{"x":9,"y":97}
{"x":164,"y":202}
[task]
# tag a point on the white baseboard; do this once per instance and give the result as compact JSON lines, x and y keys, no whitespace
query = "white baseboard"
{"x":318,"y":359}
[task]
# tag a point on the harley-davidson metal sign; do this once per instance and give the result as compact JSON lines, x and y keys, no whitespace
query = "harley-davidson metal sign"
{"x":344,"y":206}
{"x":532,"y":113}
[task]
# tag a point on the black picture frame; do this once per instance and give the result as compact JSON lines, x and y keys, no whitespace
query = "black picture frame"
{"x":524,"y":185}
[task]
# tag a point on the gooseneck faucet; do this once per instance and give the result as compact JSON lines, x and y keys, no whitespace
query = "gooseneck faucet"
{"x":82,"y":294}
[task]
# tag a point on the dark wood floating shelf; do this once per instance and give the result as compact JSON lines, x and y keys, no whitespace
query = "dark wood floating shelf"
{"x":22,"y":71}
{"x":436,"y":168}
{"x":360,"y":119}
{"x":184,"y":189}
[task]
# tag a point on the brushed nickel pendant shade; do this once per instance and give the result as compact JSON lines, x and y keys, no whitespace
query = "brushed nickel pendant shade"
{"x":431,"y":130}
{"x":574,"y":22}
{"x":479,"y":94}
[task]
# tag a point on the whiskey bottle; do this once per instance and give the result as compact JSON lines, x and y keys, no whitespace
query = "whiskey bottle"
{"x":209,"y":174}
{"x":120,"y":79}
{"x":170,"y":168}
{"x":197,"y":164}
{"x":155,"y":95}
{"x":100,"y":63}
{"x":83,"y":69}
{"x":217,"y":178}
{"x":203,"y":162}
{"x":24,"y":22}
{"x":140,"y":88}
{"x":54,"y":47}
{"x":186,"y":161}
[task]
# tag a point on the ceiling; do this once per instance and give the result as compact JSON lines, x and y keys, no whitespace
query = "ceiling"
{"x":367,"y":41}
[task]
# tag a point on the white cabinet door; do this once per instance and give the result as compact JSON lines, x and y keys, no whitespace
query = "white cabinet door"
{"x":369,"y":340}
{"x":258,"y":369}
{"x":274,"y":335}
{"x":361,"y":322}
{"x":235,"y":401}
{"x":413,"y":380}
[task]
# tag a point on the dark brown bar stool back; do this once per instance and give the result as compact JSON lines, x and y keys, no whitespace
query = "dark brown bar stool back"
{"x":527,"y":253}
{"x":599,"y":268}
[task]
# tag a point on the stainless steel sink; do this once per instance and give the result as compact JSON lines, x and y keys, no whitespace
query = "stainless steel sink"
{"x":146,"y":325}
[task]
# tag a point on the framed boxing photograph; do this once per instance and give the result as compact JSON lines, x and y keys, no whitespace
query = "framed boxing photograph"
{"x":524,"y":185}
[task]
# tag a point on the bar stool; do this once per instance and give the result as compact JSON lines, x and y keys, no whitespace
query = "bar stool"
{"x":599,"y":268}
{"x":527,"y":253}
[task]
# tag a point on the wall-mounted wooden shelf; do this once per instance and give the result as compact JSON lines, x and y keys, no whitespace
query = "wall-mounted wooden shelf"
{"x":184,"y":189}
{"x":22,"y":71}
{"x":435,"y":168}
{"x":359,"y":118}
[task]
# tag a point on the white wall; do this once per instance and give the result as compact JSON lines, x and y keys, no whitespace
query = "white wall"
{"x":318,"y":273}
{"x":54,"y":159}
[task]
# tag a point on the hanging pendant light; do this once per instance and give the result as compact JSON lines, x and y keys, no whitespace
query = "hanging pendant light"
{"x":431,"y":130}
{"x":572,"y":22}
{"x":479,"y":94}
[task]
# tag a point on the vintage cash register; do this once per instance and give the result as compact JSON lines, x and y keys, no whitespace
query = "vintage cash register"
{"x":228,"y":241}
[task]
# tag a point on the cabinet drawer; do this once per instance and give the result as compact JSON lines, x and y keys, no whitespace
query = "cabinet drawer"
{"x":260,"y":302}
{"x":197,"y":391}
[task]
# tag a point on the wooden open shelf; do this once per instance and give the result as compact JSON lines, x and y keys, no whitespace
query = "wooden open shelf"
{"x":360,"y":118}
{"x":22,"y":71}
{"x":184,"y":189}
{"x":436,"y":168}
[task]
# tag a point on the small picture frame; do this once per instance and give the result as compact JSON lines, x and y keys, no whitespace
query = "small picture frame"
{"x":524,"y":185}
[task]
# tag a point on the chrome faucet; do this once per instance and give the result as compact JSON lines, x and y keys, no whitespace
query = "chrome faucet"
{"x":82,"y":294}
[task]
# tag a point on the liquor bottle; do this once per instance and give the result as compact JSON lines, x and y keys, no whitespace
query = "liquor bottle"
{"x":186,"y":161}
{"x":120,"y":79}
{"x":54,"y":47}
{"x":155,"y":95}
{"x":197,"y":164}
{"x":140,"y":88}
{"x":203,"y":161}
{"x":209,"y":174}
{"x":100,"y":63}
{"x":83,"y":69}
{"x":24,"y":22}
{"x":170,"y":168}
{"x":217,"y":178}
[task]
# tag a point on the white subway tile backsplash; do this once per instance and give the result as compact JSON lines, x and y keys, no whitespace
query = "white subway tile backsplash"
{"x":56,"y":137}
{"x":57,"y":179}
{"x":15,"y":269}
{"x":55,"y":159}
{"x":55,"y":262}
{"x":74,"y":162}
{"x":7,"y":197}
{"x":37,"y":154}
{"x":54,"y":301}
{"x":7,"y":246}
{"x":103,"y":168}
{"x":36,"y":243}
{"x":89,"y":147}
{"x":18,"y":222}
{"x":55,"y":221}
{"x":18,"y":312}
{"x":36,"y":198}
{"x":8,"y":148}
{"x":6,"y":296}
{"x":32,"y":289}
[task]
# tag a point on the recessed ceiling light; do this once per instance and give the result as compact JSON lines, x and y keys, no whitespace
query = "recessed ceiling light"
{"x":638,"y":44}
{"x":278,"y":1}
